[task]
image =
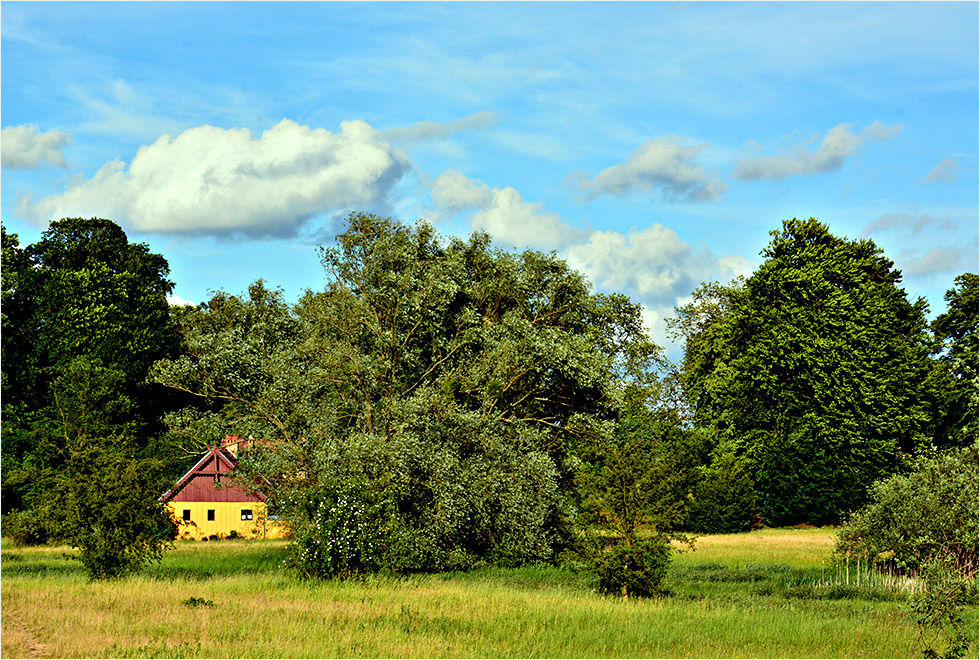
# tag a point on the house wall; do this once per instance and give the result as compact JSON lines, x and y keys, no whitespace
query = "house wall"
{"x":227,"y":517}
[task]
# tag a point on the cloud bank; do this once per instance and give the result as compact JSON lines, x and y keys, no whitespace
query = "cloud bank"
{"x":949,"y":259}
{"x":837,"y":145}
{"x":653,"y":266}
{"x":663,"y":164}
{"x":225,"y":181}
{"x":25,"y":147}
{"x":903,"y":221}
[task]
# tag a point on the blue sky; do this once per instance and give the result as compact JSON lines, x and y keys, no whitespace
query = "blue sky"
{"x":653,"y":145}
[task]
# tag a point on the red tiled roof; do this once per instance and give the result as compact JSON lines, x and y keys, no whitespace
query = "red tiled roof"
{"x":201,"y":483}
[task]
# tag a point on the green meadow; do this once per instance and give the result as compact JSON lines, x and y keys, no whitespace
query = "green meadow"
{"x":769,"y":593}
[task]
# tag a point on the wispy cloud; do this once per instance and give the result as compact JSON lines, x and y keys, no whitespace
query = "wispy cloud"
{"x":215,"y":181}
{"x":948,"y":259}
{"x":944,"y":171}
{"x":430,"y":130}
{"x":837,"y":145}
{"x":896,"y":221}
{"x":665,"y":164}
{"x":26,"y":147}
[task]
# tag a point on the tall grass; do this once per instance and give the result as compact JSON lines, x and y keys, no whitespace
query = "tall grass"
{"x":726,"y":601}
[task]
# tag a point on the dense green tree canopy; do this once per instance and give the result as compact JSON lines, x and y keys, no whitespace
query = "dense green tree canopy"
{"x":82,"y":292}
{"x":813,"y":372}
{"x":956,"y":331}
{"x":445,"y":377}
{"x":83,"y":289}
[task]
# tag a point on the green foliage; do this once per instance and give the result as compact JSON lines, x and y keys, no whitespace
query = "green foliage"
{"x":814,"y":372}
{"x":939,"y":607}
{"x":108,"y":496}
{"x":450,"y":380}
{"x":723,"y":499}
{"x":913,"y":516}
{"x":82,"y":292}
{"x":956,"y":332}
{"x":628,"y":486}
{"x":636,"y":569}
{"x":346,"y":535}
{"x":641,"y":477}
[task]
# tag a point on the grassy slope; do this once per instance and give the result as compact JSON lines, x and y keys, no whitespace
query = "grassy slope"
{"x":755,"y":595}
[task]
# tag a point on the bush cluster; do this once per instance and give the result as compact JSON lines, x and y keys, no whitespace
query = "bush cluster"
{"x":912,"y":517}
{"x":633,"y":570}
{"x":346,"y":536}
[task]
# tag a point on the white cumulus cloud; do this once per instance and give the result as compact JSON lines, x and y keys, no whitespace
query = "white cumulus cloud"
{"x":225,"y":181}
{"x":654,"y":267}
{"x":177,"y":301}
{"x":503,"y":213}
{"x":665,"y":164}
{"x":839,"y":143}
{"x":26,"y":147}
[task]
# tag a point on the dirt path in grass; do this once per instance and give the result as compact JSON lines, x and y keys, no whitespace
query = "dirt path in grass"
{"x":16,"y":640}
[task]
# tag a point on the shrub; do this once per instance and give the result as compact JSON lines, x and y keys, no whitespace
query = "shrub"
{"x":938,"y":608}
{"x":30,"y":527}
{"x":911,"y":517}
{"x":347,"y":535}
{"x":633,"y":570}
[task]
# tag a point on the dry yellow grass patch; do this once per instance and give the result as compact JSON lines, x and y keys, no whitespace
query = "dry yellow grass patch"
{"x":797,"y":547}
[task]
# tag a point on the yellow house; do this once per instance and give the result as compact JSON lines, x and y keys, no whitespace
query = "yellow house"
{"x":205,"y":503}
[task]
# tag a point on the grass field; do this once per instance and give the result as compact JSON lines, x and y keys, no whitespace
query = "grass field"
{"x":771,"y":593}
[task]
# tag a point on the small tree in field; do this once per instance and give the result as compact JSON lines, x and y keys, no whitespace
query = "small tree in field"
{"x":622,"y":492}
{"x":107,"y":496}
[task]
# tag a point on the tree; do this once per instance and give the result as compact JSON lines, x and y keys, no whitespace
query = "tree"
{"x":106,"y":496}
{"x":82,"y":291}
{"x":628,"y":486}
{"x":449,"y":379}
{"x":813,"y":373}
{"x":956,"y":332}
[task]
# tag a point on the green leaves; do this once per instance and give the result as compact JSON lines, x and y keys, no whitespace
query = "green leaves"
{"x":450,"y":379}
{"x":814,"y":371}
{"x":81,"y":304}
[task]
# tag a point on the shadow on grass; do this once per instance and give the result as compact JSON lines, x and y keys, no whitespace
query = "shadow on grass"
{"x":38,"y":568}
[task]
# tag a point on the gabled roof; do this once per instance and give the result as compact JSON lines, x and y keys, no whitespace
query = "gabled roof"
{"x":220,"y":460}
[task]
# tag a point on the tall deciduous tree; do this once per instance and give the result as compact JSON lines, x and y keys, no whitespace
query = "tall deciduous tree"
{"x":814,"y":372}
{"x":956,"y":331}
{"x":82,"y":291}
{"x":447,"y":380}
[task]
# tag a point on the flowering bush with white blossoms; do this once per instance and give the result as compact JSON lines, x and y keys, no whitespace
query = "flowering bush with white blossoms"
{"x":346,"y":536}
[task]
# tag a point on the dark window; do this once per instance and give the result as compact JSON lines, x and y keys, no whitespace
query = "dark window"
{"x":187,"y":515}
{"x":246,"y":514}
{"x":211,"y":515}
